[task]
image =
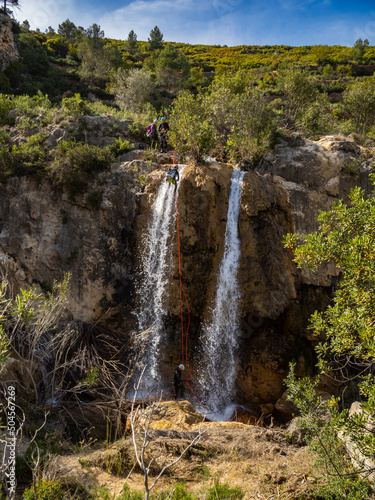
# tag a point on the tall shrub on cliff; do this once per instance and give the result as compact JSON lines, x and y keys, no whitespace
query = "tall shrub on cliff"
{"x":359,"y":104}
{"x":304,"y":106}
{"x":346,"y":237}
{"x":253,"y":125}
{"x":191,"y":131}
{"x":133,"y":89}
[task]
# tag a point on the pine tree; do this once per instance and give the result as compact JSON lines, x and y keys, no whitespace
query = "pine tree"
{"x":132,"y":43}
{"x":156,"y":39}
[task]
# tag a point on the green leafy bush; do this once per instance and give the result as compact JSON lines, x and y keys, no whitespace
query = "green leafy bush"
{"x":218,"y":491}
{"x":75,"y":160}
{"x":6,"y":104}
{"x":119,"y":146}
{"x":75,"y":106}
{"x":45,"y":490}
{"x":32,"y":106}
{"x":27,"y":158}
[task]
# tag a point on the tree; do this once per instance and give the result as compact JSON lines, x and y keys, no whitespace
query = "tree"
{"x":69,"y":30}
{"x":133,"y":88}
{"x":132,"y":43}
{"x":253,"y":125}
{"x":96,"y":59}
{"x":191,"y":131}
{"x":299,"y":91}
{"x":359,"y":104}
{"x":359,"y":50}
{"x":155,"y":40}
{"x":172,"y":68}
{"x":346,"y":237}
{"x":11,"y":2}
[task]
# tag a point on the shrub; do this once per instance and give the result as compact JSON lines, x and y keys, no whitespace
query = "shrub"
{"x":75,"y":106}
{"x":74,"y":161}
{"x":45,"y":490}
{"x":6,"y":104}
{"x":119,"y":146}
{"x":32,"y":106}
{"x":128,"y":494}
{"x":191,"y":131}
{"x":224,"y":491}
{"x":27,"y":158}
{"x":133,"y":88}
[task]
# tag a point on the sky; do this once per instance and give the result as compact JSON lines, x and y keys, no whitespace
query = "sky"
{"x":221,"y":22}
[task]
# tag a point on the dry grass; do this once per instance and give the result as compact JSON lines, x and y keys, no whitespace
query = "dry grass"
{"x":258,"y":460}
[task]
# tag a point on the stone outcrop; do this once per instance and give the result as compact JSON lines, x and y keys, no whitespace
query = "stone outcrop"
{"x":8,"y":49}
{"x":44,"y":232}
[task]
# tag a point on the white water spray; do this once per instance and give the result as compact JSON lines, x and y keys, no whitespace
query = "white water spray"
{"x":221,"y":335}
{"x":156,"y":260}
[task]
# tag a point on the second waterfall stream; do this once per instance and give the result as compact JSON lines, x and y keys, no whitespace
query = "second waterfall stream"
{"x":220,"y":339}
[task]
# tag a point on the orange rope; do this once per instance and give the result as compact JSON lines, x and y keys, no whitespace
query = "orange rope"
{"x":179,"y":272}
{"x":187,"y":307}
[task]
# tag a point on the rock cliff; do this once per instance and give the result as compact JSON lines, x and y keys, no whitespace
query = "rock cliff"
{"x":45,"y":232}
{"x":8,"y":49}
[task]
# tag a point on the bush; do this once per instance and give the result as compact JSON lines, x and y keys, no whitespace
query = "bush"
{"x":119,"y":146}
{"x":28,"y":158}
{"x":45,"y":490}
{"x":6,"y":104}
{"x":75,"y":106}
{"x":32,"y":106}
{"x":74,"y":161}
{"x":224,"y":491}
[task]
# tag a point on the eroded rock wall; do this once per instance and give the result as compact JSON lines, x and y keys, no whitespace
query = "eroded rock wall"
{"x":8,"y":49}
{"x":45,"y":232}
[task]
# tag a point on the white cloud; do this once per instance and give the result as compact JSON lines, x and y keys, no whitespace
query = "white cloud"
{"x":47,"y":13}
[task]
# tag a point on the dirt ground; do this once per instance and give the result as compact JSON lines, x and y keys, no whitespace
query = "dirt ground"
{"x":266,"y":463}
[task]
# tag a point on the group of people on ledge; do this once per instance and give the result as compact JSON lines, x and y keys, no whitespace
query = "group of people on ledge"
{"x":159,"y":134}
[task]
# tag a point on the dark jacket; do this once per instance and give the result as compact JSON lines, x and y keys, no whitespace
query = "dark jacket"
{"x":163,"y":127}
{"x":177,"y":377}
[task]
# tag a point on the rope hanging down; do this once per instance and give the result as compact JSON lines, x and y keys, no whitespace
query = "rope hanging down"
{"x":184,"y":337}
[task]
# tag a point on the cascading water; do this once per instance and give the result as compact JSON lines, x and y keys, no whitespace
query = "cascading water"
{"x":221,"y":335}
{"x":156,"y":260}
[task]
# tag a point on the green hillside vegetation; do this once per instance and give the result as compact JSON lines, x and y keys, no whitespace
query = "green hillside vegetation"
{"x":231,"y":102}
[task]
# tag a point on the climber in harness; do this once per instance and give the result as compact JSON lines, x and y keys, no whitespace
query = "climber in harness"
{"x":178,"y":382}
{"x":163,"y":129}
{"x":152,"y":133}
{"x":173,"y":175}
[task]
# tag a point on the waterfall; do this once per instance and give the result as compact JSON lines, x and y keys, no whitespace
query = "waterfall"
{"x":221,"y":334}
{"x":156,"y":261}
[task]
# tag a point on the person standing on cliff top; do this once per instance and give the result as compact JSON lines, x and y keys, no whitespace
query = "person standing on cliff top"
{"x":178,"y":382}
{"x":163,"y":129}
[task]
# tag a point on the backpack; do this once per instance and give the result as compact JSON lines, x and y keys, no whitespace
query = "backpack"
{"x":150,"y":132}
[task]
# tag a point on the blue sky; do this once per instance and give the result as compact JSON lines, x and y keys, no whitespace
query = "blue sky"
{"x":230,"y":22}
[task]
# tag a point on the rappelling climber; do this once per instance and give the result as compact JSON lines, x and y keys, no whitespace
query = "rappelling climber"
{"x":173,"y":175}
{"x":178,"y":382}
{"x":163,"y":129}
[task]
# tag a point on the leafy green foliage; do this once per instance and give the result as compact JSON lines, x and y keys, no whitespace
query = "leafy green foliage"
{"x":74,"y":161}
{"x":223,"y":490}
{"x":45,"y":490}
{"x":120,"y":146}
{"x":133,"y":88}
{"x":74,"y":106}
{"x":191,"y":132}
{"x":346,"y":237}
{"x":359,"y":104}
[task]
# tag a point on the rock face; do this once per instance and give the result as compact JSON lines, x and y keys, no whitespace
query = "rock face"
{"x":8,"y":49}
{"x":44,"y":232}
